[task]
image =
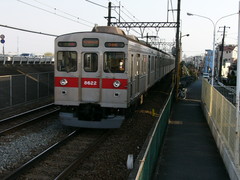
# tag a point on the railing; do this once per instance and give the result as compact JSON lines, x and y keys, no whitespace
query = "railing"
{"x":221,"y":116}
{"x":20,"y":89}
{"x":146,"y":163}
{"x":25,"y":60}
{"x":228,"y":92}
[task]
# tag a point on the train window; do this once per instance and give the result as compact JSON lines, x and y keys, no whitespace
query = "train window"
{"x":152,"y":63}
{"x":114,"y":62}
{"x":90,"y":62}
{"x":144,"y":64}
{"x":90,"y":42}
{"x":67,"y":61}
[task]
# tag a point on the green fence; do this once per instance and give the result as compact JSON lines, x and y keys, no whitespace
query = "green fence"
{"x":147,"y":162}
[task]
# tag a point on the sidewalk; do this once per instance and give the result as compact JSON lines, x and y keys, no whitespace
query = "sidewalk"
{"x":189,"y":151}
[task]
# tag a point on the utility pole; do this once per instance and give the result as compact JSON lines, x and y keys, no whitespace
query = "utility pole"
{"x":221,"y":56}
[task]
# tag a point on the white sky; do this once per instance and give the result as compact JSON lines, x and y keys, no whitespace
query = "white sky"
{"x":18,"y":14}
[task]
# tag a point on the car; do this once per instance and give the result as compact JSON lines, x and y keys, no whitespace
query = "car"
{"x":27,"y":55}
{"x":205,"y":75}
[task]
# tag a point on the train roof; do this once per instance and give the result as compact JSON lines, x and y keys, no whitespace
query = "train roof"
{"x":120,"y":32}
{"x":109,"y":29}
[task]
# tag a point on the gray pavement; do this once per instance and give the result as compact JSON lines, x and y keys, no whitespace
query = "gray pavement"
{"x":189,"y":151}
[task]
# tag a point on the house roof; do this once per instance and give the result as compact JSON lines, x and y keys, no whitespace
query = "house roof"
{"x":229,"y":48}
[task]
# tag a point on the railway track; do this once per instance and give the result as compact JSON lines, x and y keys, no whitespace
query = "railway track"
{"x":23,"y":119}
{"x":108,"y":162}
{"x":60,"y":159}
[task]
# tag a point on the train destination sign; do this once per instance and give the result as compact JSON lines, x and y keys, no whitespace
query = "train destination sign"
{"x":90,"y":42}
{"x":67,"y":44}
{"x":115,"y":44}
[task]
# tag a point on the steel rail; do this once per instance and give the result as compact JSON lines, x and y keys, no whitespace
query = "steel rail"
{"x":84,"y":155}
{"x":20,"y":125}
{"x":15,"y":174}
{"x":24,"y":113}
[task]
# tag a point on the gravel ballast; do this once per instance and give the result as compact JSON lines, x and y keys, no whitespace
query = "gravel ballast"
{"x":110,"y":160}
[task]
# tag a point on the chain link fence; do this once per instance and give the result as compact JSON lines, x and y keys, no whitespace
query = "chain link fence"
{"x":20,"y":89}
{"x":229,"y":92}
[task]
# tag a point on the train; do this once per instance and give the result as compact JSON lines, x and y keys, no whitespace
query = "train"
{"x":102,"y":74}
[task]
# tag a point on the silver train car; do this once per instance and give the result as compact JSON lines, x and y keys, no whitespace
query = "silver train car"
{"x":100,"y":75}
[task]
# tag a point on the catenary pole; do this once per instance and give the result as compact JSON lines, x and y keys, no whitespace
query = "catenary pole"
{"x":109,"y":13}
{"x":177,"y":48}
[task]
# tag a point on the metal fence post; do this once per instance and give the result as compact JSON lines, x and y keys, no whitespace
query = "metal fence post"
{"x":38,"y":86}
{"x":25,"y":83}
{"x":11,"y":91}
{"x":48,"y":83}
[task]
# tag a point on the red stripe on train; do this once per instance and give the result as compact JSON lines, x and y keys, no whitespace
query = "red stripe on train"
{"x":91,"y":82}
{"x":108,"y":83}
{"x":71,"y":82}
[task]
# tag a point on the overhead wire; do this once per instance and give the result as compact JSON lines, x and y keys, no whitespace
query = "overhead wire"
{"x":133,"y":18}
{"x":172,"y":10}
{"x":122,"y":17}
{"x":64,"y":12}
{"x":97,"y":4}
{"x":126,"y":21}
{"x":25,"y":30}
{"x":54,"y":13}
{"x":77,"y":19}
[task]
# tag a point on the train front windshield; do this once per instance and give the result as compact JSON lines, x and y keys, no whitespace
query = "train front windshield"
{"x":67,"y":61}
{"x":114,"y":62}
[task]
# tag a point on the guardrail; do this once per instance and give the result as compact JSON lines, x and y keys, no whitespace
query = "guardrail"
{"x":221,"y":116}
{"x":25,"y":60}
{"x":20,"y":89}
{"x":146,"y":163}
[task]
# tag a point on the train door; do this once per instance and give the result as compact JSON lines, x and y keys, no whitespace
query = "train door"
{"x":132,"y":90}
{"x":149,"y":70}
{"x":155,"y":68}
{"x":90,"y":79}
{"x":137,"y":76}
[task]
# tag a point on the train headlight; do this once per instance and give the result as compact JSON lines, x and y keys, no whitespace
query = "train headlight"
{"x":116,"y":84}
{"x":63,"y":82}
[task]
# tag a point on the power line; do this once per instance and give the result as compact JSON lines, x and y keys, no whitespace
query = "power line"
{"x":25,"y":30}
{"x":126,"y":21}
{"x":56,"y":9}
{"x":54,"y":13}
{"x":97,"y":4}
{"x":133,"y":18}
{"x":172,"y":10}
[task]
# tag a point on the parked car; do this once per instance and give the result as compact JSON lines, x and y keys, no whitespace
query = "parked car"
{"x":27,"y":55}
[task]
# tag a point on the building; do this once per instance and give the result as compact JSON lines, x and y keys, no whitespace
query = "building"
{"x":198,"y":62}
{"x":208,"y":61}
{"x":229,"y":57}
